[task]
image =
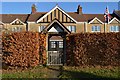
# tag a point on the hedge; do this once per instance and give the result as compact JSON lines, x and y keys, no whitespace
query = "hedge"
{"x":22,"y":48}
{"x":93,"y":49}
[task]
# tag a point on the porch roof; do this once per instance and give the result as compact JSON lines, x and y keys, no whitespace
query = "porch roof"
{"x":59,"y":23}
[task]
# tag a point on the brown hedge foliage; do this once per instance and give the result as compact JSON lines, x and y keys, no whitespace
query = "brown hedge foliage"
{"x":93,"y":49}
{"x":22,"y":48}
{"x":42,"y":52}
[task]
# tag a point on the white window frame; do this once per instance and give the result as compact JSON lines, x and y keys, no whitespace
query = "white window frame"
{"x":16,"y":29}
{"x":114,"y":29}
{"x":60,"y":44}
{"x":71,"y":28}
{"x":53,"y":44}
{"x":96,"y":28}
{"x":41,"y":28}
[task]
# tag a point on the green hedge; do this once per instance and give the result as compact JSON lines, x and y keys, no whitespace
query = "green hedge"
{"x":93,"y":49}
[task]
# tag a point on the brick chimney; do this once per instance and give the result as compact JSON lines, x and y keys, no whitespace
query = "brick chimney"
{"x":33,"y":9}
{"x":79,"y":10}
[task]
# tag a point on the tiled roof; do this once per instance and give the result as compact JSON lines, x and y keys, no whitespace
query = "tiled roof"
{"x":55,"y":38}
{"x":36,"y":16}
{"x":117,"y":12}
{"x":8,"y":18}
{"x":89,"y":17}
{"x":77,"y":17}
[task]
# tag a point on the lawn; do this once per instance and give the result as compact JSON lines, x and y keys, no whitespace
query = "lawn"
{"x":90,"y":72}
{"x":63,"y":72}
{"x":37,"y":72}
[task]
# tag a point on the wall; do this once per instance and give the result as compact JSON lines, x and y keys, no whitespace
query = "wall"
{"x":9,"y":26}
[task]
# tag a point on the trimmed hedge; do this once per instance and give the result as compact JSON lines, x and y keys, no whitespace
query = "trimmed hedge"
{"x":93,"y":49}
{"x":42,"y":48}
{"x":22,"y":48}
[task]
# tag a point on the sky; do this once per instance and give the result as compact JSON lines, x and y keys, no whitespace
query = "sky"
{"x":88,"y":7}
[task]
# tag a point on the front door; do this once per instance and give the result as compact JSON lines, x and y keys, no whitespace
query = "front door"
{"x":55,"y":52}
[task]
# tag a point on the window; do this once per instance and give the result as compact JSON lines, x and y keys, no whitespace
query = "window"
{"x":53,"y":44}
{"x":114,"y":28}
{"x":13,"y":29}
{"x":95,"y":28}
{"x":16,"y":29}
{"x":71,"y":28}
{"x":61,"y":44}
{"x":41,"y":28}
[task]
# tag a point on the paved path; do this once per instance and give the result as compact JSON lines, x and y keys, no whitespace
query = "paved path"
{"x":55,"y":71}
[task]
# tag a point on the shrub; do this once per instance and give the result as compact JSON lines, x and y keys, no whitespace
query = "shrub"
{"x":93,"y":49}
{"x":22,"y":48}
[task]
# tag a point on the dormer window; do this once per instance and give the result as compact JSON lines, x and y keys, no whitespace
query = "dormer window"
{"x":95,"y":28}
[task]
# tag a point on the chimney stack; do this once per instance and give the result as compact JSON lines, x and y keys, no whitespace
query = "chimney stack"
{"x":33,"y":8}
{"x":79,"y":10}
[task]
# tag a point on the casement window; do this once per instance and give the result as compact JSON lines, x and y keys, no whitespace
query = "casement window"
{"x":71,"y":28}
{"x":16,"y":29}
{"x":60,"y":44}
{"x":41,"y":28}
{"x":53,"y":44}
{"x":56,"y":45}
{"x":114,"y":28}
{"x":95,"y":28}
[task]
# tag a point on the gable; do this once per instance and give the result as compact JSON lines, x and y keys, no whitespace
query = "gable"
{"x":95,"y":21}
{"x":56,"y":26}
{"x":114,"y":21}
{"x":56,"y":13}
{"x":17,"y":22}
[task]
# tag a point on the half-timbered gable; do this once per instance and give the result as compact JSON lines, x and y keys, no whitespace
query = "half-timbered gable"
{"x":56,"y":13}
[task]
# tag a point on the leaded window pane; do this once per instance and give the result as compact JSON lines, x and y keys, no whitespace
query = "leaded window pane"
{"x":53,"y":45}
{"x":60,"y":44}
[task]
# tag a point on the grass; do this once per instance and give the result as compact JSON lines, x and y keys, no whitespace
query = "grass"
{"x":37,"y":72}
{"x":19,"y":73}
{"x":90,"y":72}
{"x":64,"y":72}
